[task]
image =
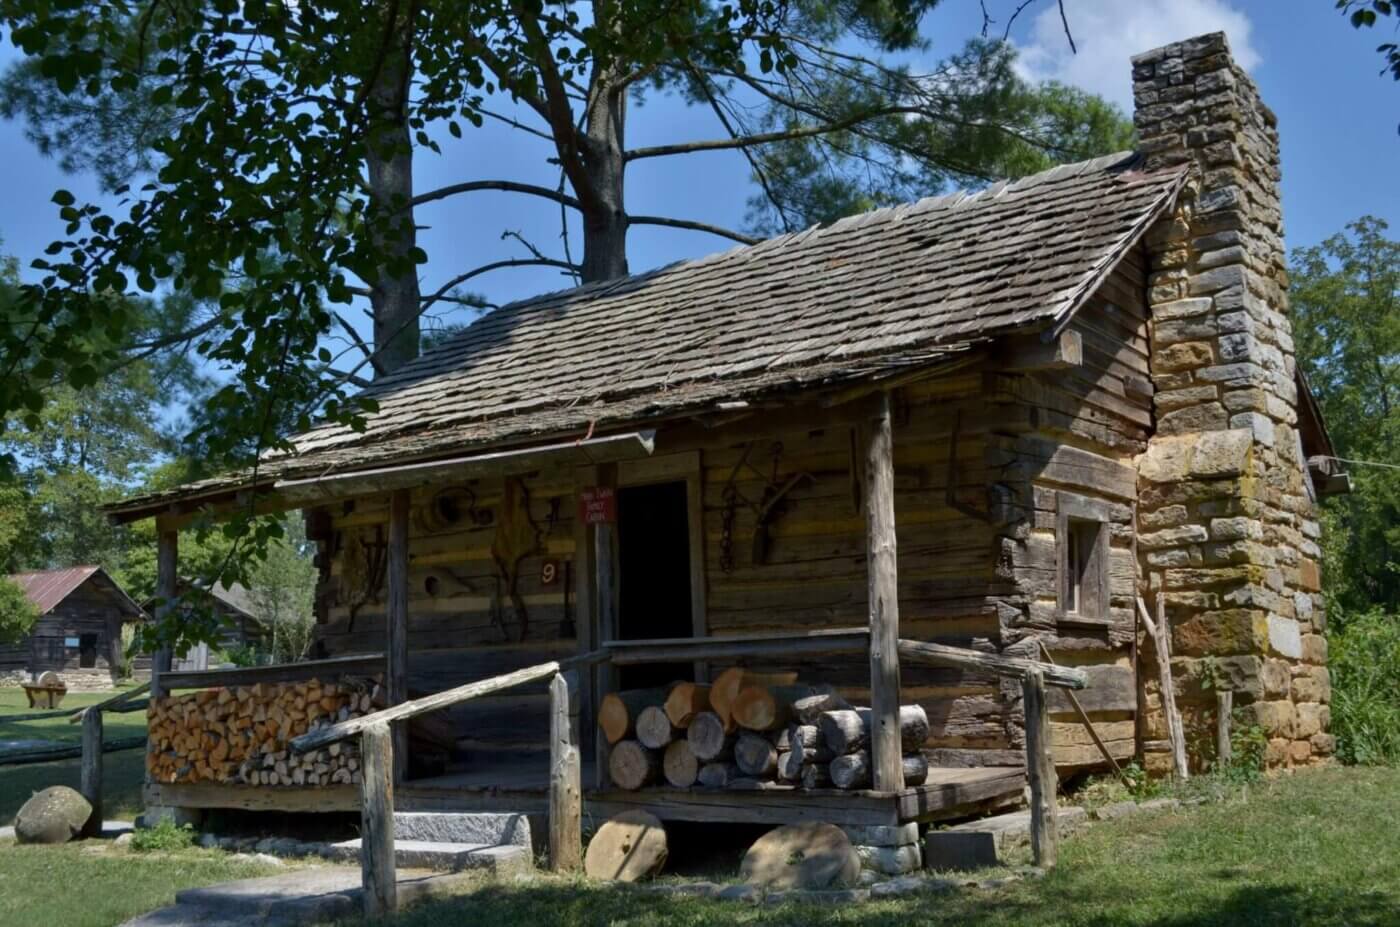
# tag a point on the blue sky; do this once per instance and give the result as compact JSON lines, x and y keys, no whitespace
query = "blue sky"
{"x":1337,"y":119}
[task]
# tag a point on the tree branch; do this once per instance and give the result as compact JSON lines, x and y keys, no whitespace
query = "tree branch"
{"x":765,"y":138}
{"x":694,"y":227}
{"x":507,"y":186}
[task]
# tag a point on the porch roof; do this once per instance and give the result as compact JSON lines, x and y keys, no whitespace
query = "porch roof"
{"x":860,"y":299}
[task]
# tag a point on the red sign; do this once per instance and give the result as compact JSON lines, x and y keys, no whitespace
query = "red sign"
{"x":597,"y":505}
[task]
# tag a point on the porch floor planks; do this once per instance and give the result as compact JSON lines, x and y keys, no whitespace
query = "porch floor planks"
{"x":947,"y":790}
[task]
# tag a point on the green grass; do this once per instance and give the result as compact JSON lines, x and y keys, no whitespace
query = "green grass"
{"x":95,"y":884}
{"x":1317,"y":848}
{"x":122,"y":772}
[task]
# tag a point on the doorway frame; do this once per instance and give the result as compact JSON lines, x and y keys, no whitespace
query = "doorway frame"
{"x":683,"y":467}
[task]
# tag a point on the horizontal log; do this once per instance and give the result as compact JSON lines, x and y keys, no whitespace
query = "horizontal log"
{"x":706,"y":648}
{"x":939,"y":655}
{"x":358,"y":664}
{"x":65,"y":751}
{"x":298,"y":493}
{"x":419,"y":706}
{"x":108,"y":704}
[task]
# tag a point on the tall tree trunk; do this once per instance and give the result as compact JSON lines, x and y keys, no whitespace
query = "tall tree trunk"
{"x":394,"y":296}
{"x":605,"y":219}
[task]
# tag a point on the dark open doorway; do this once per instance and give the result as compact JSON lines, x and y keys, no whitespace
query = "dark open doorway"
{"x":653,"y":575}
{"x":87,"y":651}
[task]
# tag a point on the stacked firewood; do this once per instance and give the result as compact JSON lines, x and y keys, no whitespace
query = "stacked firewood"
{"x":240,"y":735}
{"x":746,"y":730}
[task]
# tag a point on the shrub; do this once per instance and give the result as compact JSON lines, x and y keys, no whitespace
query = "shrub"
{"x":1364,"y":652}
{"x":166,"y":835}
{"x":17,"y":613}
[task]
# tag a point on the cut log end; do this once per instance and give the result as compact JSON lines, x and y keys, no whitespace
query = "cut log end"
{"x":632,"y":765}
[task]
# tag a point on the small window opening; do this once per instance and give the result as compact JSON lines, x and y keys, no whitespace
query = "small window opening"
{"x":1085,"y":580}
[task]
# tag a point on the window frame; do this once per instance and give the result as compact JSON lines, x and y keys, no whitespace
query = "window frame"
{"x":1078,"y":517}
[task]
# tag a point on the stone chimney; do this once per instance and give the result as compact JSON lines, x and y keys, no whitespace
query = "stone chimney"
{"x":1227,"y":519}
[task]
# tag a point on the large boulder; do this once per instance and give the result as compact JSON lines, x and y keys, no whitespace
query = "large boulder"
{"x":55,"y":815}
{"x":802,"y":856}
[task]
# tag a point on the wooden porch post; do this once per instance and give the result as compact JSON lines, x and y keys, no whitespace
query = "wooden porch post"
{"x":1040,"y":772}
{"x":565,"y":775}
{"x":883,"y":598}
{"x":377,"y":875}
{"x":396,"y":622}
{"x":605,"y":585}
{"x":167,"y":563}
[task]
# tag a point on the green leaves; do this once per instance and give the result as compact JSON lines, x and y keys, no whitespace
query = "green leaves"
{"x":1345,"y":297}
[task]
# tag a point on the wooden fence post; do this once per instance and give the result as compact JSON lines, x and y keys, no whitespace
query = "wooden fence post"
{"x":1040,"y":772}
{"x":396,"y":622}
{"x":91,"y":780}
{"x":1224,"y":706}
{"x":883,"y":597}
{"x":565,"y":775}
{"x":377,"y":821}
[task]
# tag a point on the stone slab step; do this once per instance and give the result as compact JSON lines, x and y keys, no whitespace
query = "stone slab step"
{"x":483,"y":829}
{"x":288,"y":900}
{"x":502,"y":859}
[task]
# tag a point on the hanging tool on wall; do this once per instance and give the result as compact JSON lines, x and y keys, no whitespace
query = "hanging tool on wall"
{"x":770,"y":506}
{"x":517,"y":536}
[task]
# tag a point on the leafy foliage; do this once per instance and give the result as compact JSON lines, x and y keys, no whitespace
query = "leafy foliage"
{"x":988,"y":124}
{"x":1364,"y":14}
{"x":1345,"y":296}
{"x":164,"y":836}
{"x":17,"y":613}
{"x":1364,"y":658}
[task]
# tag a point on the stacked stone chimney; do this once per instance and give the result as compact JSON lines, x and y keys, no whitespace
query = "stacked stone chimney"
{"x":1227,"y":519}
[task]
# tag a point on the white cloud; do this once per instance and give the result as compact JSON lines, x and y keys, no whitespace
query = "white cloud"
{"x":1108,"y":32}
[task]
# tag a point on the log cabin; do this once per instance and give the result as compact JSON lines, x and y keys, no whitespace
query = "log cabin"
{"x":79,"y":632}
{"x":1003,"y":421}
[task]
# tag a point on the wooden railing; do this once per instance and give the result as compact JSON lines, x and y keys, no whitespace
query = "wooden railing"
{"x":378,"y":763}
{"x":565,"y":779}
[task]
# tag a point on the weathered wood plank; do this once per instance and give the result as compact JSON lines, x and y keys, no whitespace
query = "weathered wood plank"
{"x":565,"y":775}
{"x":377,"y":821}
{"x":405,"y":710}
{"x":103,"y":705}
{"x":167,"y":581}
{"x":352,"y":665}
{"x":940,"y":655}
{"x":1040,"y":771}
{"x":396,"y":621}
{"x":1162,"y":644}
{"x":883,"y":598}
{"x":91,"y":776}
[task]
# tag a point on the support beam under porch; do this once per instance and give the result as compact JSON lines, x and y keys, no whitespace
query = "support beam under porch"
{"x":523,"y":788}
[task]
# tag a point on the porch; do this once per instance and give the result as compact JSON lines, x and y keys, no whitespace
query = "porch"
{"x":522,"y":785}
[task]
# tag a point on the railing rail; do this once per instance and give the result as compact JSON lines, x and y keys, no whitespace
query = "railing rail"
{"x":377,"y":770}
{"x":356,"y":664}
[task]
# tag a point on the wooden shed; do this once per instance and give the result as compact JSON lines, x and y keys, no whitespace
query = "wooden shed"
{"x":240,"y":625}
{"x":78,"y":635}
{"x":1002,"y":422}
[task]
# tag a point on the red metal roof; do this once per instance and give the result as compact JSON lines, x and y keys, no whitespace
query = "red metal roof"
{"x":50,"y":587}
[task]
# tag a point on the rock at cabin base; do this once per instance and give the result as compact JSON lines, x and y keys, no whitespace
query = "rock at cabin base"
{"x":631,"y":846}
{"x":55,"y":815}
{"x":802,"y":856}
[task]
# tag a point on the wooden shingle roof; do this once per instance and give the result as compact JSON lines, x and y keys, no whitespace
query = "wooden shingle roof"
{"x":876,"y":292}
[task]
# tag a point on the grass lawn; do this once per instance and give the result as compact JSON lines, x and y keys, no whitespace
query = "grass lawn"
{"x":121,"y":772}
{"x":94,"y":884}
{"x":1316,"y":848}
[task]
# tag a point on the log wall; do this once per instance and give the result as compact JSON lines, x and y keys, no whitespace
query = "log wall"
{"x":982,"y":459}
